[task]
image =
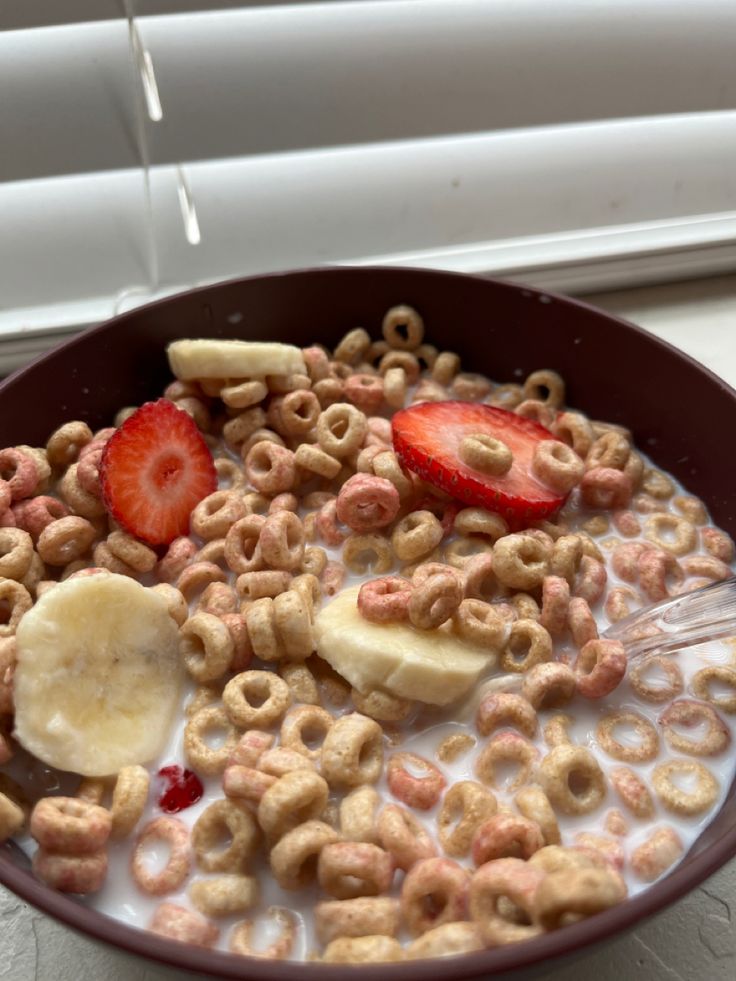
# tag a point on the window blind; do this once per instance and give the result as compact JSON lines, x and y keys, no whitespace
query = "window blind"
{"x":151,"y":145}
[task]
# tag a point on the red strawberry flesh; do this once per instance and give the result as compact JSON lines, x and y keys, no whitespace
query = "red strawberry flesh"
{"x":154,"y":470}
{"x":427,"y":440}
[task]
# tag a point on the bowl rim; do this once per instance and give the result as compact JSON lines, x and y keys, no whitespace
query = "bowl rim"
{"x":557,"y":944}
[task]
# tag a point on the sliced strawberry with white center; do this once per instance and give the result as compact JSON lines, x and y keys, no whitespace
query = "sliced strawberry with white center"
{"x":154,"y":470}
{"x":427,"y":439}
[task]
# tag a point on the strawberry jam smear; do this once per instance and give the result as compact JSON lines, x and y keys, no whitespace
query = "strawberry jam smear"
{"x":184,"y":789}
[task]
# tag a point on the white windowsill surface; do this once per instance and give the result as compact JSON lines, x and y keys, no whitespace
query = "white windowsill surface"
{"x":696,"y":938}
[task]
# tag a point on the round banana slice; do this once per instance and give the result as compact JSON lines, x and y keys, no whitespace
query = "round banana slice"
{"x":98,"y":675}
{"x":208,"y":358}
{"x":432,"y":666}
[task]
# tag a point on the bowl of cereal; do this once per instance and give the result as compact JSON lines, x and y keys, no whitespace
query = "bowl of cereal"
{"x":305,"y":584}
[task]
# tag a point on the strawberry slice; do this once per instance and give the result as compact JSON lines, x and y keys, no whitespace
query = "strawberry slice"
{"x":153,"y":472}
{"x":427,"y":439}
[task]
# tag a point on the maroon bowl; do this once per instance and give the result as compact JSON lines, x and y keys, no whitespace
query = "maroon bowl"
{"x":678,"y":412}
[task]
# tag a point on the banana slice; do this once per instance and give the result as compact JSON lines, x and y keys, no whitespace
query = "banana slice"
{"x":98,"y":675}
{"x":204,"y":358}
{"x":431,"y":666}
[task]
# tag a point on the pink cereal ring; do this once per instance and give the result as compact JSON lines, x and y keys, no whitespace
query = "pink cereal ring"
{"x":385,"y":600}
{"x":655,"y":569}
{"x":174,"y":833}
{"x":37,"y":513}
{"x":327,"y":526}
{"x":6,"y":496}
{"x":7,"y":518}
{"x":600,"y":667}
{"x":88,"y":468}
{"x":367,"y":502}
{"x":78,"y":874}
{"x":506,"y":836}
{"x":689,"y":714}
{"x":421,"y":792}
{"x":178,"y":556}
{"x":20,"y":472}
{"x":65,"y":824}
{"x":604,"y":487}
{"x":625,"y":560}
{"x":365,"y":392}
{"x":184,"y":925}
{"x":555,"y":601}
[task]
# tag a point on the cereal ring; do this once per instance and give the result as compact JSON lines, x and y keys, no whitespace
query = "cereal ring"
{"x":224,"y":895}
{"x":206,"y":647}
{"x":296,"y":797}
{"x":529,"y":644}
{"x":281,"y":541}
{"x":672,"y":533}
{"x":270,"y":469}
{"x":404,"y":837}
{"x":225,"y":820}
{"x":242,"y":544}
{"x":605,"y":488}
{"x":304,"y":730}
{"x":659,"y":852}
{"x":256,"y":698}
{"x":633,"y":792}
{"x":572,"y":780}
{"x":386,"y":465}
{"x":177,"y":557}
{"x":557,"y":465}
{"x":647,"y":744}
{"x":650,"y":691}
{"x":435,"y":601}
{"x":178,"y":923}
{"x":16,"y":599}
{"x":363,"y":950}
{"x":199,"y":754}
{"x":518,"y":882}
{"x":352,"y":753}
{"x":246,"y":783}
{"x":600,"y":668}
{"x":301,"y":682}
{"x":293,"y":624}
{"x":555,"y":603}
{"x":577,"y":892}
{"x":364,"y":916}
{"x":18,"y":470}
{"x":706,"y":566}
{"x":16,"y":553}
{"x":534,"y":805}
{"x":129,"y":798}
{"x":446,"y":940}
{"x":80,"y":502}
{"x":79,"y":874}
{"x":507,"y":747}
{"x":348,"y":869}
{"x":626,"y":523}
{"x":499,"y":709}
{"x":419,"y":791}
{"x":241,"y":939}
{"x":485,"y":624}
{"x":364,"y":391}
{"x":173,"y":833}
{"x":466,"y":806}
{"x":655,"y":569}
{"x":434,"y":891}
{"x":357,"y":815}
{"x":520,"y":561}
{"x":367,"y":502}
{"x":214,"y":515}
{"x":403,"y":328}
{"x":299,"y":412}
{"x":36,"y":513}
{"x":71,"y":826}
{"x":217,"y":599}
{"x":341,"y":429}
{"x":351,"y":348}
{"x":726,"y":677}
{"x":382,"y":705}
{"x":690,"y":714}
{"x":385,"y":600}
{"x":486,"y":454}
{"x":293,"y":858}
{"x":555,"y":858}
{"x":417,"y":534}
{"x":718,"y":543}
{"x":266,"y":582}
{"x":581,"y":621}
{"x":506,"y":836}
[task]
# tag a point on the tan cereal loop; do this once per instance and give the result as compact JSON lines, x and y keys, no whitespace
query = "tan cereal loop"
{"x":689,"y":714}
{"x":215,"y":514}
{"x":529,"y":644}
{"x":419,"y":791}
{"x":12,"y":817}
{"x":65,"y":443}
{"x":363,"y":950}
{"x":465,"y":806}
{"x":548,"y":685}
{"x":316,"y":461}
{"x":242,"y":547}
{"x":225,"y":821}
{"x":486,"y":454}
{"x":534,"y":805}
{"x":507,"y":747}
{"x":298,"y":796}
{"x":485,"y":624}
{"x":434,"y":891}
{"x":129,"y":798}
{"x":633,"y":792}
{"x":600,"y":668}
{"x":293,"y":624}
{"x":435,"y":601}
{"x":416,"y":535}
{"x":65,"y":540}
{"x":647,"y":745}
{"x":293,"y":858}
{"x":186,"y":926}
{"x":265,"y":639}
{"x":173,"y":833}
{"x":281,"y":760}
{"x":270,"y":469}
{"x":206,"y":647}
{"x":218,"y":599}
{"x":357,"y":815}
{"x":506,"y":836}
{"x":282,"y":541}
{"x":241,"y":939}
{"x":566,"y":767}
{"x":202,"y":757}
{"x":403,"y":328}
{"x":78,"y":874}
{"x":557,"y":465}
{"x":304,"y":730}
{"x":672,"y":533}
{"x":520,"y":561}
{"x":518,"y":882}
{"x":270,"y":694}
{"x":724,"y":676}
{"x":500,"y":709}
{"x":247,"y":784}
{"x":403,"y":836}
{"x":576,"y":892}
{"x":364,"y":916}
{"x":18,"y":601}
{"x":352,"y":347}
{"x":382,"y":705}
{"x":649,"y":691}
{"x":16,"y":553}
{"x":68,"y":825}
{"x":224,"y":894}
{"x":352,"y":753}
{"x":302,"y":683}
{"x":348,"y":869}
{"x":341,"y":429}
{"x":447,"y":940}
